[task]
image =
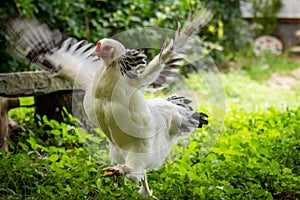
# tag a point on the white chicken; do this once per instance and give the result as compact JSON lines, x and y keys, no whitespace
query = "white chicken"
{"x":141,"y":132}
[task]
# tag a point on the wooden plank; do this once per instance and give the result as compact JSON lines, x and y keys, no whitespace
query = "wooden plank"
{"x":32,"y":83}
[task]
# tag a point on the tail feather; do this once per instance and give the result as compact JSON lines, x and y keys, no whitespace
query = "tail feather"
{"x":191,"y":119}
{"x":200,"y":117}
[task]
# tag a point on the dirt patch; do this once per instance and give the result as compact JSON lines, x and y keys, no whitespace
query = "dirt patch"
{"x":278,"y":81}
{"x":296,"y":73}
{"x":285,"y":82}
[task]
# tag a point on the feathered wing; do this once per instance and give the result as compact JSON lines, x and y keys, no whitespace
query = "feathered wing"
{"x":163,"y":68}
{"x":38,"y":44}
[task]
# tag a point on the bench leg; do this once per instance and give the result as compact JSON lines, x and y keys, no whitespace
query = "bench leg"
{"x":5,"y":105}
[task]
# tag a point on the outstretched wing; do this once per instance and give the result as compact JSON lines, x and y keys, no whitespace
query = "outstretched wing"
{"x":133,"y":64}
{"x":170,"y":69}
{"x":163,"y":68}
{"x":39,"y":44}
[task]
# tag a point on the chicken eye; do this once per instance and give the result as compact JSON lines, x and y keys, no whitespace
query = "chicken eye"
{"x":106,"y":48}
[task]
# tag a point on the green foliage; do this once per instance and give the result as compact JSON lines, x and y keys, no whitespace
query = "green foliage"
{"x":255,"y":156}
{"x":227,"y":26}
{"x":53,"y":161}
{"x":261,"y":68}
{"x":245,"y":93}
{"x":23,"y":115}
{"x":265,"y":15}
{"x":8,"y":63}
{"x":92,"y":20}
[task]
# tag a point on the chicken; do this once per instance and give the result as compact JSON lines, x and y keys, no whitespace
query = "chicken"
{"x":141,"y":131}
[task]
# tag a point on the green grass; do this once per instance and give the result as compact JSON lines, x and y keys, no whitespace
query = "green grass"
{"x":254,"y":158}
{"x":254,"y":155}
{"x":23,"y":114}
{"x":261,"y":68}
{"x":245,"y":93}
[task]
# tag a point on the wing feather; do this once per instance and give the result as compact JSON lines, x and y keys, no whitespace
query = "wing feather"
{"x":176,"y":52}
{"x":39,"y":44}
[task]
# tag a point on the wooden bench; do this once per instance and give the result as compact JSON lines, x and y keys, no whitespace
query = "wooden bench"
{"x":50,"y":91}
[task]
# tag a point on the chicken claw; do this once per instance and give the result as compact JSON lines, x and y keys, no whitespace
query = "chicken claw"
{"x":111,"y":171}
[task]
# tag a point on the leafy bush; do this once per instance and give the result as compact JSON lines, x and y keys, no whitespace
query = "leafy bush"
{"x":54,"y":160}
{"x":92,"y":20}
{"x":254,"y":158}
{"x":228,"y":28}
{"x":265,"y":15}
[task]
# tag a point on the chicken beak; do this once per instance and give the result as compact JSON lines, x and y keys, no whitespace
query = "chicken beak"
{"x":95,"y":53}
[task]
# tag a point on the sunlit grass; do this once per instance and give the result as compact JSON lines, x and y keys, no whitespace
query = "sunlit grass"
{"x":262,"y":67}
{"x":248,"y":94}
{"x":23,"y":114}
